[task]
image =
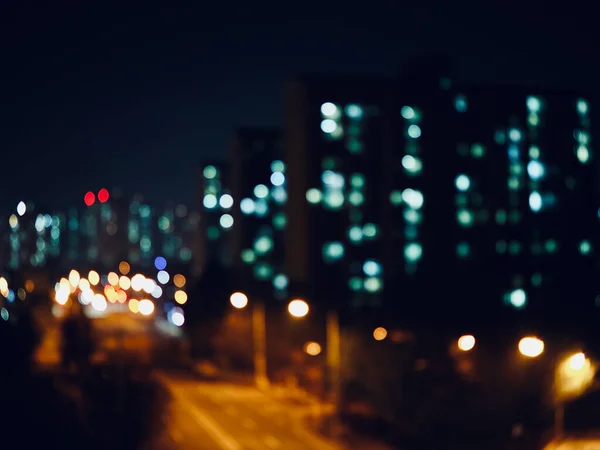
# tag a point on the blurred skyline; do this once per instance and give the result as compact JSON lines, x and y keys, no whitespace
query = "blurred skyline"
{"x":138,"y":98}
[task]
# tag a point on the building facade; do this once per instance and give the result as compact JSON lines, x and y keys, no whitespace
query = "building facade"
{"x":259,"y":188}
{"x":99,"y":234}
{"x":439,"y":198}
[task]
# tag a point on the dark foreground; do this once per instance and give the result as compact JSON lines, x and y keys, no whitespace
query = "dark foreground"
{"x":111,"y":409}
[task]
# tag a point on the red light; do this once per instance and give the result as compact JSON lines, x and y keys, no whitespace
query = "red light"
{"x":89,"y":198}
{"x":103,"y":195}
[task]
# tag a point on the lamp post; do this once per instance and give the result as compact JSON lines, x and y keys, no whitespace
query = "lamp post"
{"x":239,"y":300}
{"x":574,"y":375}
{"x":334,"y":361}
{"x":296,"y":308}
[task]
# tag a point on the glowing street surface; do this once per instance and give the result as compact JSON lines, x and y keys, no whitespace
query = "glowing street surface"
{"x":224,"y":416}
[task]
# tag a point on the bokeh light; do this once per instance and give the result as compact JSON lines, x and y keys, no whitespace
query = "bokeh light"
{"x":124,"y":267}
{"x":103,"y":195}
{"x":146,"y":307}
{"x":89,"y":198}
{"x":531,"y":347}
{"x":160,"y":263}
{"x":298,"y":308}
{"x":179,"y":280}
{"x":379,"y":333}
{"x":312,"y":348}
{"x":238,"y":300}
{"x":466,"y":343}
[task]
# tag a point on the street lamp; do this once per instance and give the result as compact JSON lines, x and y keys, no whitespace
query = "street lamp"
{"x":298,"y":308}
{"x":239,"y":300}
{"x":466,"y":343}
{"x":531,"y":347}
{"x":574,"y":375}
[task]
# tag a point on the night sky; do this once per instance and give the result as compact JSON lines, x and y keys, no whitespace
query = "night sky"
{"x":139,"y":96}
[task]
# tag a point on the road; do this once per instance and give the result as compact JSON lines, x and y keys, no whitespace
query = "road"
{"x":225,"y":416}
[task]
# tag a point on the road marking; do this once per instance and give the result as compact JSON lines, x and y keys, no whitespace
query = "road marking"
{"x":272,"y":442}
{"x":249,"y":423}
{"x":220,"y":436}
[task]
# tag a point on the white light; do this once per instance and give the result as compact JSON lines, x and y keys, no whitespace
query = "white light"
{"x":210,"y":201}
{"x":226,"y":201}
{"x":238,"y":300}
{"x":518,"y":298}
{"x":99,"y":303}
{"x":149,"y":285}
{"x":407,"y":112}
{"x":409,"y":162}
{"x":328,"y":109}
{"x":157,"y":292}
{"x":414,"y":131}
{"x":247,"y":206}
{"x":277,"y":179}
{"x":533,"y":104}
{"x":163,"y":277}
{"x":177,"y":319}
{"x":535,"y":169}
{"x":261,"y":191}
{"x":462,"y":183}
{"x":535,"y":201}
{"x":146,"y":307}
{"x":413,"y":198}
{"x":328,"y":126}
{"x":21,"y":208}
{"x":226,"y":221}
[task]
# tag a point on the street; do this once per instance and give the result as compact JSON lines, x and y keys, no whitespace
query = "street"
{"x":225,"y":416}
{"x":129,"y":402}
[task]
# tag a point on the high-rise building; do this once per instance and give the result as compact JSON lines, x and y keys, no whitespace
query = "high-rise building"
{"x":335,"y":135}
{"x":525,"y":197}
{"x":215,"y":203}
{"x":439,"y":198}
{"x":258,"y":185}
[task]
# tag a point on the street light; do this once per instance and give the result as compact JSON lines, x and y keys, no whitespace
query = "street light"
{"x":239,"y":300}
{"x":531,"y":347}
{"x":466,"y":343}
{"x":574,"y":375}
{"x":298,"y":308}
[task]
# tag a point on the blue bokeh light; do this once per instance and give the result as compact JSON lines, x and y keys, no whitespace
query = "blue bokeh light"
{"x":160,"y":263}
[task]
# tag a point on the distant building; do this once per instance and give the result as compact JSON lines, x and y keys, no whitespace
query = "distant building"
{"x":215,"y":204}
{"x":420,"y":196}
{"x":258,"y":185}
{"x":99,"y":234}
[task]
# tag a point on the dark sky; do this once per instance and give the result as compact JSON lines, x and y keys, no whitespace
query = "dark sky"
{"x":138,"y":95}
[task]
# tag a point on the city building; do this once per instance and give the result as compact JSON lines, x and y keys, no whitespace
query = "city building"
{"x":104,"y":230}
{"x":258,"y":185}
{"x":334,"y":134}
{"x":426,"y":197}
{"x":216,"y":220}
